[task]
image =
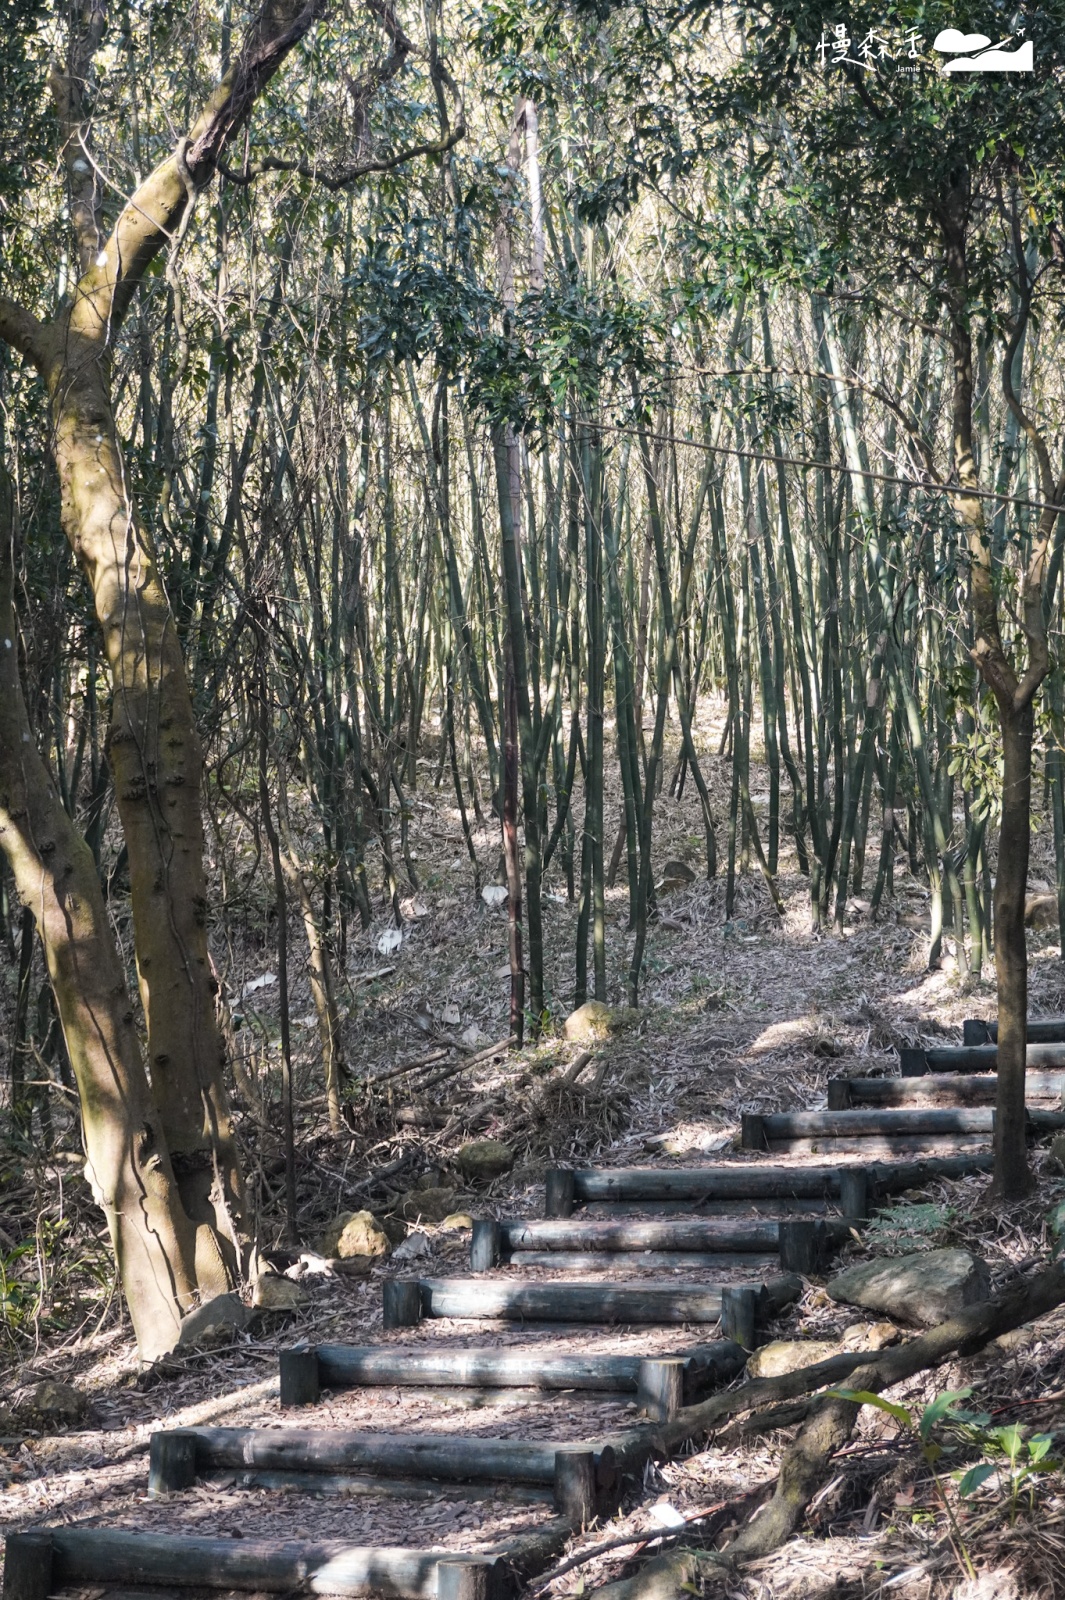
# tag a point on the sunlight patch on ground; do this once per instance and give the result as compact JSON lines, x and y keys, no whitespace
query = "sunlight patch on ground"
{"x":691,"y":1138}
{"x":779,"y":1035}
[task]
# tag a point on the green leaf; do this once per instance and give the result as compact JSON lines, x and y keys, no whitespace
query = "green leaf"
{"x":1038,"y":1445}
{"x":1009,"y":1439}
{"x":863,"y":1397}
{"x":939,"y":1408}
{"x":975,"y":1476}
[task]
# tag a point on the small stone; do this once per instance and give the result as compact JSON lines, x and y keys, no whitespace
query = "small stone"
{"x":593,"y":1022}
{"x":214,"y":1322}
{"x":414,"y":1247}
{"x":1016,"y":1338}
{"x":675,"y":875}
{"x":456,"y":1222}
{"x":427,"y":1205}
{"x":395,"y":1228}
{"x":59,"y":1402}
{"x":355,"y":1233}
{"x":1056,"y":1154}
{"x":870,"y":1336}
{"x":1041,"y":911}
{"x":788,"y":1355}
{"x":277,"y":1294}
{"x":921,"y":1289}
{"x":484,"y":1159}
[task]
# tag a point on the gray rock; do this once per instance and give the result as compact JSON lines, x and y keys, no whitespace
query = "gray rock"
{"x":214,"y":1321}
{"x":1056,"y":1154}
{"x":427,"y":1205}
{"x":274,"y":1293}
{"x":414,"y":1247}
{"x":920,"y":1289}
{"x":675,"y":875}
{"x":484,"y":1159}
{"x":59,"y":1402}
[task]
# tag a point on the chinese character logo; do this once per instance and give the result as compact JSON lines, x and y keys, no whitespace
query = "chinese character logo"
{"x":974,"y":52}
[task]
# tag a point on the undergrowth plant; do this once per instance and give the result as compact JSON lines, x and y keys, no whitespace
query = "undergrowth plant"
{"x":1015,"y":1458}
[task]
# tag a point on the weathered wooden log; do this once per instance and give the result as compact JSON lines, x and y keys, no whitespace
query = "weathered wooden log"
{"x":559,"y":1194}
{"x":660,"y":1388}
{"x":1041,"y":1030}
{"x":402,"y":1303}
{"x":471,"y":1578}
{"x":404,"y":1455}
{"x":74,"y":1556}
{"x":749,"y":1210}
{"x":854,"y":1198}
{"x":171,"y":1461}
{"x":350,"y":1366}
{"x":486,"y":1245}
{"x":891,"y":1120}
{"x":680,"y":1233}
{"x":805,"y":1246}
{"x":28,"y":1565}
{"x":758,"y":1188}
{"x":943,"y":1088}
{"x":739,"y":1314}
{"x":103,"y":1555}
{"x":643,"y":1261}
{"x":874,"y":1146}
{"x":974,"y":1058}
{"x":576,"y":1486}
{"x":738,"y":1181}
{"x":364,"y":1485}
{"x":588,"y":1302}
{"x":300,"y":1380}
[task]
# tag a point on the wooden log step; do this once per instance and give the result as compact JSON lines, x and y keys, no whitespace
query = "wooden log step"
{"x":680,"y":1233}
{"x":330,"y":1450}
{"x":306,"y":1371}
{"x":1041,"y":1030}
{"x":974,"y":1058}
{"x":786,"y":1206}
{"x":738,"y":1181}
{"x":56,"y":1557}
{"x":942,"y":1088}
{"x":361,"y":1485}
{"x":877,"y":1146}
{"x":931,"y":1123}
{"x":654,"y":1188}
{"x":644,"y":1261}
{"x":606,"y":1303}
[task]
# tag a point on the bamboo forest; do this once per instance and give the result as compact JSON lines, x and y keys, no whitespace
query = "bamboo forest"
{"x":532,"y":799}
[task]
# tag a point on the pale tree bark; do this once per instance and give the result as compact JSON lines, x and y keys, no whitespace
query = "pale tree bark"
{"x":127,"y":1161}
{"x":152,"y":743}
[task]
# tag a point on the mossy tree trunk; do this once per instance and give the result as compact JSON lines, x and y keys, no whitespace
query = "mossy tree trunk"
{"x":127,"y":1160}
{"x":175,"y":1147}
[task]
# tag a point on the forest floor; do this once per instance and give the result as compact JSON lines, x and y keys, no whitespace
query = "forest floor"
{"x":754,"y":1015}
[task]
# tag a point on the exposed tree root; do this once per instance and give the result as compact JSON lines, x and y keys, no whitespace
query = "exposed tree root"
{"x":826,"y":1430}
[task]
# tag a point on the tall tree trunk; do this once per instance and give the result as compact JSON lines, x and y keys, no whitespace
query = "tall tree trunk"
{"x":127,"y":1161}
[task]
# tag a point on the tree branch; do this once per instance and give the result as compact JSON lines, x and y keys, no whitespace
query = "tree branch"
{"x":69,"y":88}
{"x":20,"y":329}
{"x":154,"y":213}
{"x":346,"y":175}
